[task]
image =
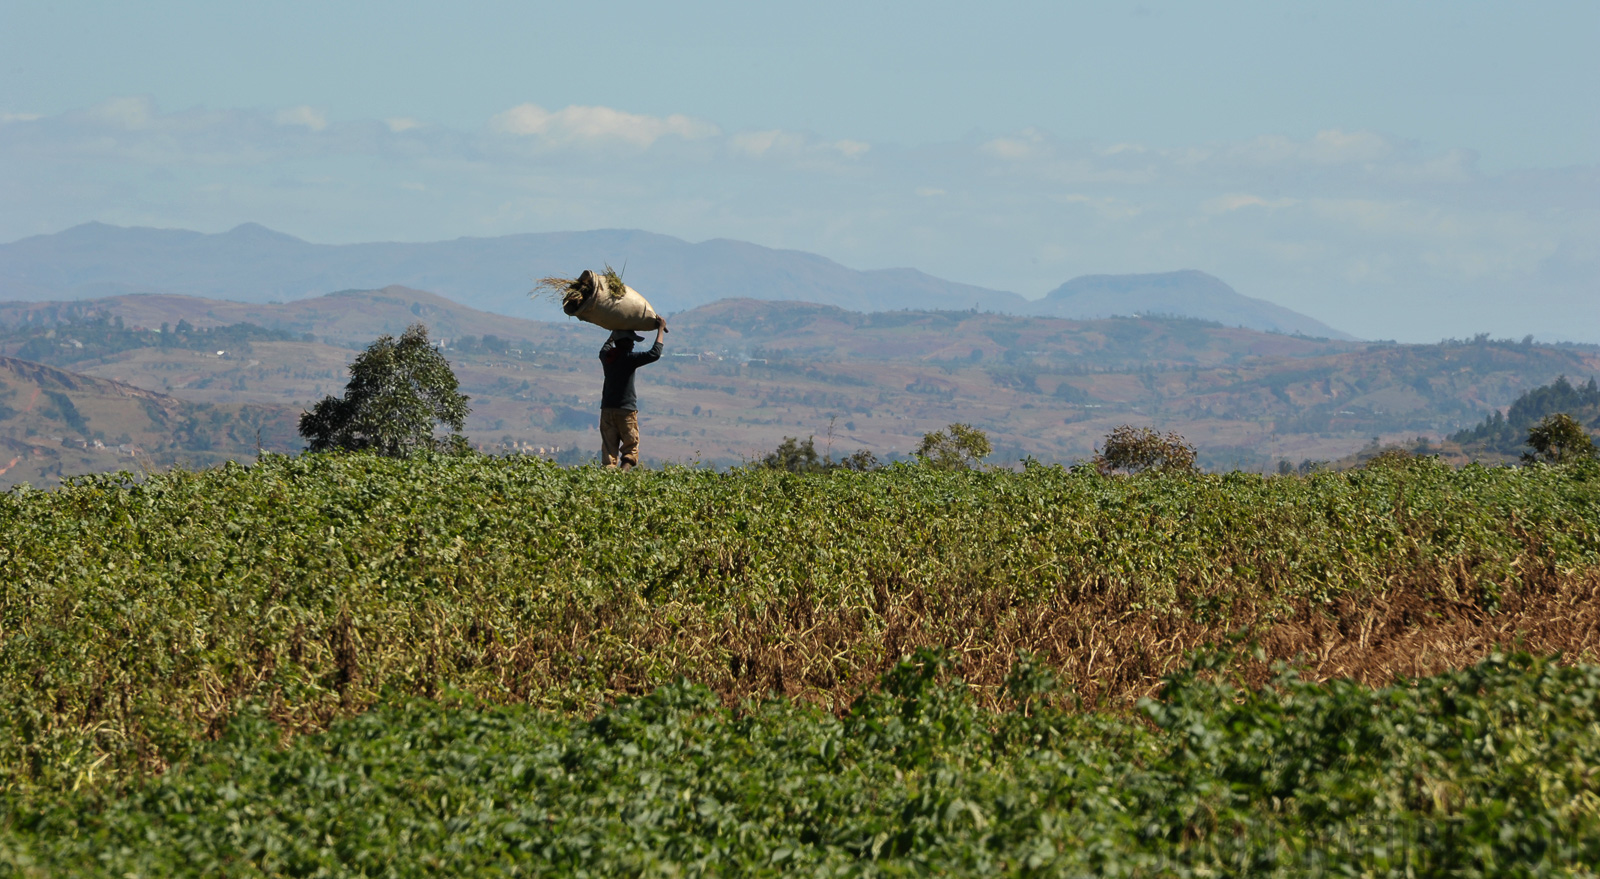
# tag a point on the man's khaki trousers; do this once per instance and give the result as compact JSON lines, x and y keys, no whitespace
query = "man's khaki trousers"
{"x":619,"y":431}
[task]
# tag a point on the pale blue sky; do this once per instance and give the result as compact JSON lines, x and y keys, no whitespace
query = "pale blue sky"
{"x":1397,"y":169}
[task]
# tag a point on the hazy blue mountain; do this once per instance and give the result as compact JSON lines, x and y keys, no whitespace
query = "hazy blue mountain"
{"x":252,"y":263}
{"x":1187,"y":294}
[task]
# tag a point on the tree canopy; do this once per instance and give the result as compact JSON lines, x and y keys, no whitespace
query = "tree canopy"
{"x":957,"y":447}
{"x":1560,"y":439}
{"x":398,"y":394}
{"x":1139,"y":449}
{"x":800,"y":456}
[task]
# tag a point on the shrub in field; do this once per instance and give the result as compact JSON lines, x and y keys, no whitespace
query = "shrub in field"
{"x":1130,"y":449}
{"x":1560,"y":439}
{"x":398,"y":393}
{"x":795,"y":456}
{"x":1390,"y":457}
{"x":800,"y":456}
{"x":957,"y":447}
{"x":859,"y":461}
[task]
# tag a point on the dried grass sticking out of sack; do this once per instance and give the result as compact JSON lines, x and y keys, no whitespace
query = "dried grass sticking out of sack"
{"x":559,"y":290}
{"x":614,"y":283}
{"x":569,"y":293}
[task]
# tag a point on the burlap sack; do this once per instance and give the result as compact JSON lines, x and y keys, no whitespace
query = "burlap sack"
{"x":603,"y":308}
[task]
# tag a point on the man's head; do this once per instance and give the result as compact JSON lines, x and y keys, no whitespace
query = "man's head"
{"x":625,"y":338}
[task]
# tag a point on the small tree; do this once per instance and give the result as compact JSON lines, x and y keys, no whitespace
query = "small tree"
{"x":1132,"y":449}
{"x":796,"y":456}
{"x":398,"y":392}
{"x":1394,"y":456}
{"x":1560,"y":439}
{"x":860,"y":461}
{"x":957,"y":447}
{"x":800,"y":456}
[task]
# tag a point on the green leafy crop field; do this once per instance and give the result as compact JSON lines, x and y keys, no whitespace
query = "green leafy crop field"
{"x":355,"y":665}
{"x":1488,"y":771}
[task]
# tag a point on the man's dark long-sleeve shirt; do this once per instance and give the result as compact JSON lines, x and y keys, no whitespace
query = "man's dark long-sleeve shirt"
{"x":618,"y":392}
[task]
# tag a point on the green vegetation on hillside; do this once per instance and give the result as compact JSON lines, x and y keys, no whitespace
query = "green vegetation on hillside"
{"x":1507,"y":434}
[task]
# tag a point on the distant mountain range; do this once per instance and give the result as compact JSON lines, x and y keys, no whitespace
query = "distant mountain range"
{"x":252,"y":263}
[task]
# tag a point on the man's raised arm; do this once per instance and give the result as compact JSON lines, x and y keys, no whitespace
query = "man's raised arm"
{"x":654,"y":353}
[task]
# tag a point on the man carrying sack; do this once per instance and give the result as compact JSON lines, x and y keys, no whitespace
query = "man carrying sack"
{"x":619,"y":408}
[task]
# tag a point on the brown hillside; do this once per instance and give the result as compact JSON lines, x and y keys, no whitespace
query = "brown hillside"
{"x":56,"y":423}
{"x":352,"y":318}
{"x":805,"y":330}
{"x":740,"y":375}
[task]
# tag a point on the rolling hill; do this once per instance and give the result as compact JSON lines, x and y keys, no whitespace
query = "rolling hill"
{"x":349,"y":318}
{"x":1183,"y":294}
{"x":740,"y":375}
{"x":55,"y":423}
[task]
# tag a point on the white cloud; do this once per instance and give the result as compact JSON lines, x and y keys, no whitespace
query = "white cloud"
{"x":759,"y":143}
{"x":1237,"y":201}
{"x":851,"y":148}
{"x":1109,"y":207}
{"x":1029,"y":144}
{"x":929,"y":191}
{"x":1453,"y":166}
{"x":129,"y":114}
{"x":1333,"y":158}
{"x":776,"y":142}
{"x":1332,"y":147}
{"x":398,"y":124}
{"x":7,"y":118}
{"x":577,"y":124}
{"x":304,"y":116}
